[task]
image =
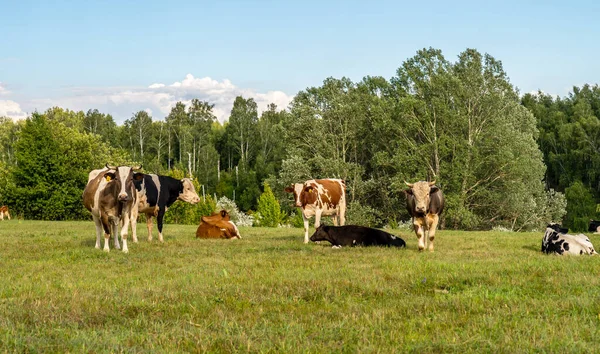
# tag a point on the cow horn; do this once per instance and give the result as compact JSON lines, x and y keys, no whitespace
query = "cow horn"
{"x":110,"y":167}
{"x":409,"y":184}
{"x":138,"y":168}
{"x":432,"y":183}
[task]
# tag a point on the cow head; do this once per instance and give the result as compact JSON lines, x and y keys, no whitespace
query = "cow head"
{"x":558,"y":228}
{"x":123,"y":177}
{"x":320,"y":234}
{"x":188,"y":193}
{"x":296,"y":190}
{"x":421,"y":192}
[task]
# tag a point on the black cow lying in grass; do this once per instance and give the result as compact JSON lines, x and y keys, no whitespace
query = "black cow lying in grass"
{"x":594,"y":226}
{"x":352,"y":235}
{"x":558,"y":242}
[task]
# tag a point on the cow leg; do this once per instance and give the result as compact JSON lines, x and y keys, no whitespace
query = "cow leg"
{"x":8,"y":215}
{"x":305,"y":228}
{"x":420,"y":233}
{"x":1,"y":215}
{"x":318,"y":213}
{"x":149,"y":225}
{"x":98,"y":224}
{"x":125,"y":231}
{"x":106,"y":227}
{"x":159,"y":223}
{"x":115,"y":229}
{"x":342,"y":214}
{"x":432,"y":223}
{"x":133,"y":220}
{"x":335,"y":220}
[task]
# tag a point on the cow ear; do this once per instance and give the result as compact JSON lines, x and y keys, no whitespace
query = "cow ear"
{"x":408,"y":191}
{"x":289,"y":189}
{"x":109,"y":176}
{"x":309,"y":189}
{"x":137,"y":176}
{"x":433,"y":189}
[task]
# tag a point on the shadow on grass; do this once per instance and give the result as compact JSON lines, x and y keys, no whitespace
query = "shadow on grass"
{"x":91,"y":242}
{"x":532,"y":248}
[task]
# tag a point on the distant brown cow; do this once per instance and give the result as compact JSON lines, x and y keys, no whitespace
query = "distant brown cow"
{"x":318,"y":197}
{"x":425,"y":203}
{"x":217,"y":225}
{"x":3,"y":212}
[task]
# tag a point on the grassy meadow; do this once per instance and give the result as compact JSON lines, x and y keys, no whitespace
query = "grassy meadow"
{"x":269,"y":292}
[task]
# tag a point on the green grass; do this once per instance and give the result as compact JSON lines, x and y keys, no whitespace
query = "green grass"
{"x":479,"y":292}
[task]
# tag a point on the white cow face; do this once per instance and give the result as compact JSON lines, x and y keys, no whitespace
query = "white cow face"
{"x":188,"y":194}
{"x":421,"y":191}
{"x":296,"y":189}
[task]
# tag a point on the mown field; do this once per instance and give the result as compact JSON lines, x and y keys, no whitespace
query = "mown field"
{"x":479,"y":292}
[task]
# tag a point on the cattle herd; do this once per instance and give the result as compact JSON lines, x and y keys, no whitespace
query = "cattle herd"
{"x":117,"y":195}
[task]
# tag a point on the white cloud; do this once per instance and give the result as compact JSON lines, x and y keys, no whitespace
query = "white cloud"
{"x":12,"y":110}
{"x":3,"y":90}
{"x":159,"y":98}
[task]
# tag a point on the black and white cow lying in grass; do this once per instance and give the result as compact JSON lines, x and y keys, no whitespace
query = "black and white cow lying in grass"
{"x":352,"y":235}
{"x":555,"y":241}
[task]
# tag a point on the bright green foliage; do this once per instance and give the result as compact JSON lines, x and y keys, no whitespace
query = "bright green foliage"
{"x":269,"y":212}
{"x":358,"y":214}
{"x":53,"y":165}
{"x":581,"y":207}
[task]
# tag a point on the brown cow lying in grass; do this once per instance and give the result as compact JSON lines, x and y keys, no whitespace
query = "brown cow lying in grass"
{"x":217,"y":225}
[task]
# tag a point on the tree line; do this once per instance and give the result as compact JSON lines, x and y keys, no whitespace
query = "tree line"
{"x":501,"y":158}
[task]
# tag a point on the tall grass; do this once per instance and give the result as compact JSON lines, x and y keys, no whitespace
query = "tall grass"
{"x":479,"y":292}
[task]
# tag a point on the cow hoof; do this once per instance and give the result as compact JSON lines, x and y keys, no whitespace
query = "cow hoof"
{"x":421,"y":249}
{"x":106,"y":250}
{"x":97,"y":247}
{"x":125,"y":250}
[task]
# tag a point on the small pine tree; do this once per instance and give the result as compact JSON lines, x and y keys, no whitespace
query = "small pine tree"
{"x":269,"y":212}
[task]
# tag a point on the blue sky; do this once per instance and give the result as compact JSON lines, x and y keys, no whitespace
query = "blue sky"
{"x":106,"y":54}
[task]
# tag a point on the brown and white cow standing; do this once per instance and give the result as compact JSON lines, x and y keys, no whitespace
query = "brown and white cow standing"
{"x":4,"y":212}
{"x":425,"y":203}
{"x":320,"y":197}
{"x":218,"y":225}
{"x":97,"y":181}
{"x":110,"y":197}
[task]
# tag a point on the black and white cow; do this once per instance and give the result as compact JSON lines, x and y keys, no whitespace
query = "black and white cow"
{"x":156,"y":194}
{"x":556,"y":242}
{"x":352,"y":235}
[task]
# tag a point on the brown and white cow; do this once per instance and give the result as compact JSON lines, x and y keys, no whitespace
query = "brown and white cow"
{"x":97,"y":181}
{"x":218,"y":225}
{"x":320,"y":197}
{"x":110,"y":197}
{"x":425,"y":203}
{"x":4,"y":212}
